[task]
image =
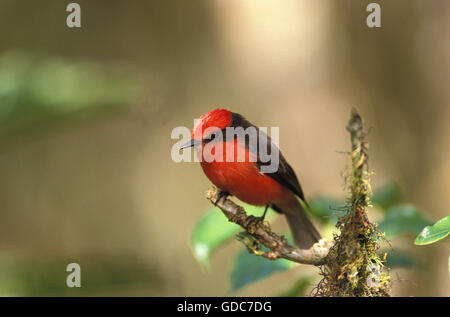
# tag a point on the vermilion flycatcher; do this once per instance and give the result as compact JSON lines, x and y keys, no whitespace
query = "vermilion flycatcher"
{"x":244,"y":179}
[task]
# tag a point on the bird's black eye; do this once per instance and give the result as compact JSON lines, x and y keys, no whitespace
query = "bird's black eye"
{"x":209,"y":137}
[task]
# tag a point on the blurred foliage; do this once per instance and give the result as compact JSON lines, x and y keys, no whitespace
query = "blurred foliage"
{"x":35,"y":91}
{"x":402,"y":259}
{"x":430,"y":234}
{"x":38,"y":93}
{"x":399,"y":219}
{"x":299,"y":287}
{"x":387,"y":195}
{"x":248,"y":268}
{"x":326,"y":209}
{"x":213,"y":229}
{"x":100,"y":274}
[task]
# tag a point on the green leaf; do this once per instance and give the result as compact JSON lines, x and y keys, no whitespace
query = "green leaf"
{"x":326,"y":209}
{"x":213,"y":229}
{"x":436,"y":232}
{"x":402,"y":219}
{"x":387,"y":195}
{"x":298,"y":288}
{"x":249,"y":268}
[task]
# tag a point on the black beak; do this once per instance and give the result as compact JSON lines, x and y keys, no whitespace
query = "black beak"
{"x":191,"y":143}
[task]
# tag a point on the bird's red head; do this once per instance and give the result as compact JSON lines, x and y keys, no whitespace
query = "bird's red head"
{"x":216,"y":119}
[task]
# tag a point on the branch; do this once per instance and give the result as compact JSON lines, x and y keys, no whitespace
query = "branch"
{"x":260,"y":233}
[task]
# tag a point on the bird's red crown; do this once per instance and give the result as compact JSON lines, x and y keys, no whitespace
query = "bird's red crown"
{"x":218,"y":119}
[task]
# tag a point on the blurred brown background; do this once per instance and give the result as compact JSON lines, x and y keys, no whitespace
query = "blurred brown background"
{"x":86,"y":172}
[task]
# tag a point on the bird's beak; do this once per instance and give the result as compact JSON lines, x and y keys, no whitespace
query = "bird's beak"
{"x":191,"y":143}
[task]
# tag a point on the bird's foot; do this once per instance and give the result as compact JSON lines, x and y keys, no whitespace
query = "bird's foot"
{"x":255,"y":221}
{"x":221,"y":195}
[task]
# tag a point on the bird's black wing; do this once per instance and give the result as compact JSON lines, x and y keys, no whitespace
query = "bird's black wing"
{"x":284,"y":175}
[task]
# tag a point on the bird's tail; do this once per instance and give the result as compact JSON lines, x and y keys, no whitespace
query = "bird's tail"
{"x":303,"y":231}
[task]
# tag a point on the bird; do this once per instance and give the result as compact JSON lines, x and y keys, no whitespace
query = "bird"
{"x":243,"y":179}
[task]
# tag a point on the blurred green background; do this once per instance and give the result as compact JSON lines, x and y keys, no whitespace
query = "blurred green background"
{"x":86,"y":116}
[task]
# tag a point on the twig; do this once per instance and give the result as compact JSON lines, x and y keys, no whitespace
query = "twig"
{"x":260,"y":233}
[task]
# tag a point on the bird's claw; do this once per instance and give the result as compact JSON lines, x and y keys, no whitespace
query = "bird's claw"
{"x":254,"y":221}
{"x":221,"y":195}
{"x":257,"y":220}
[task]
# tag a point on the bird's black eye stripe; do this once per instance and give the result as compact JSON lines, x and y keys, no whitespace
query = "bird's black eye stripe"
{"x":213,"y":136}
{"x":209,"y":138}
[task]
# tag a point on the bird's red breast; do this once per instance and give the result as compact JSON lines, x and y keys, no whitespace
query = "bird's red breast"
{"x":241,"y":179}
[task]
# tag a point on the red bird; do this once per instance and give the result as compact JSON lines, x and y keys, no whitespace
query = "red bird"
{"x":280,"y":190}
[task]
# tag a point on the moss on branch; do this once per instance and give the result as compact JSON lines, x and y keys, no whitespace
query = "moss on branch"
{"x":353,"y":267}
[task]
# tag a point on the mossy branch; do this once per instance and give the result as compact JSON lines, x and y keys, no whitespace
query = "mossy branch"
{"x":353,"y":268}
{"x":260,"y":233}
